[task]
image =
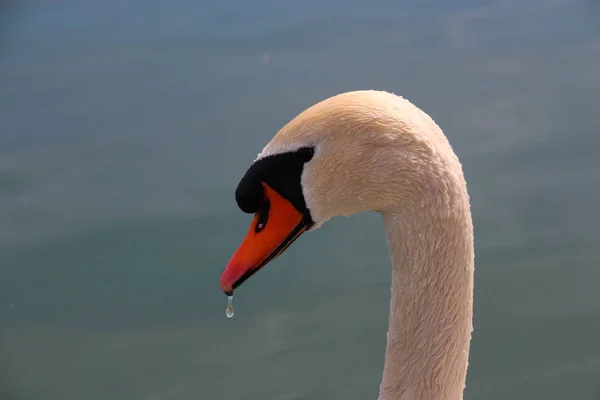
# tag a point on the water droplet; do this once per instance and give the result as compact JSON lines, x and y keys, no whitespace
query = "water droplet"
{"x":229,"y":310}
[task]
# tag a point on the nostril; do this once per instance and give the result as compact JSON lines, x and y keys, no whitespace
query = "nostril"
{"x":263,"y":215}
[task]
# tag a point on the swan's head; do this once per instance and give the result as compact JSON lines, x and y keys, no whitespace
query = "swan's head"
{"x":355,"y":152}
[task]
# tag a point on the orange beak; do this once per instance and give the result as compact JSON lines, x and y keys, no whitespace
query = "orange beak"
{"x":273,"y":229}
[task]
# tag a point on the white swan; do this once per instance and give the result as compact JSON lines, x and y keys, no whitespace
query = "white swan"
{"x":375,"y":151}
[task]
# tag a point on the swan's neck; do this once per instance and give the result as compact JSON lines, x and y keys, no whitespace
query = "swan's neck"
{"x":430,"y":320}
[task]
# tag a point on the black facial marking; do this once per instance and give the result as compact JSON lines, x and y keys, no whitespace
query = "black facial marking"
{"x":282,"y":172}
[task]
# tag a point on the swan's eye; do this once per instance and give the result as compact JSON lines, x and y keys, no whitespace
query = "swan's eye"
{"x":263,"y":216}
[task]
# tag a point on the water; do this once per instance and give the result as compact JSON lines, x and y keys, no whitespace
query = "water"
{"x":229,"y":312}
{"x":125,"y":127}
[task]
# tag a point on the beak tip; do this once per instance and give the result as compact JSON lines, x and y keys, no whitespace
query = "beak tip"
{"x":227,"y":289}
{"x":226,"y":283}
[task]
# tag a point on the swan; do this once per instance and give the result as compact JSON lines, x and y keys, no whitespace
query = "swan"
{"x":364,"y":151}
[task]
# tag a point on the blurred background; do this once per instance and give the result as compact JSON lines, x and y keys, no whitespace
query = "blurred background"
{"x":126,"y":126}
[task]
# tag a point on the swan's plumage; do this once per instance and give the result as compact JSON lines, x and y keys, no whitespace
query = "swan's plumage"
{"x":375,"y":151}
